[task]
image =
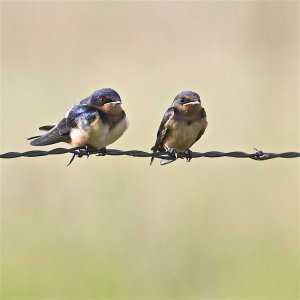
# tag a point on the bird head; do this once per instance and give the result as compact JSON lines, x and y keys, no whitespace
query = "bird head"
{"x":188,"y":102}
{"x":107,"y":100}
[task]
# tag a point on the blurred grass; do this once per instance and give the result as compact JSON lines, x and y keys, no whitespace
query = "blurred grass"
{"x":113,"y":227}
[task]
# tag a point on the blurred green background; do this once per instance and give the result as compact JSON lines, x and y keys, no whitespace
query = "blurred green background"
{"x":114,"y":227}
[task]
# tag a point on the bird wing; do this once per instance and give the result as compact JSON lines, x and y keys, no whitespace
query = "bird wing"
{"x":61,"y":132}
{"x":162,"y":131}
{"x":46,"y":127}
{"x":85,"y":101}
{"x":163,"y":128}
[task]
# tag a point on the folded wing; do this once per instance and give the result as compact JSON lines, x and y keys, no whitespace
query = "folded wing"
{"x":79,"y":114}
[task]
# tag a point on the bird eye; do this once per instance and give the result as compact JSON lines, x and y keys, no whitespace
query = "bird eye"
{"x":182,"y":100}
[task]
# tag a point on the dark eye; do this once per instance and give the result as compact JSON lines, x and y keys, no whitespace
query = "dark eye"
{"x":182,"y":100}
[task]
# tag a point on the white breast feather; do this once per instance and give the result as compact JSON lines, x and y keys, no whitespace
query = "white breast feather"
{"x":116,"y":131}
{"x":183,"y":136}
{"x":97,"y":134}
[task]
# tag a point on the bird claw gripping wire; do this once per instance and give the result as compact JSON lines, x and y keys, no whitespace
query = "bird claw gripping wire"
{"x":172,"y":153}
{"x":87,"y":151}
{"x":79,"y":153}
{"x":188,"y":155}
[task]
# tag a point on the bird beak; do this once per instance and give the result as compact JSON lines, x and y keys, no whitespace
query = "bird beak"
{"x":115,"y":102}
{"x":192,"y":103}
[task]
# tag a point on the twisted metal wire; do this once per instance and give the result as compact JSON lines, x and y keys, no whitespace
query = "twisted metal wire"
{"x":79,"y":152}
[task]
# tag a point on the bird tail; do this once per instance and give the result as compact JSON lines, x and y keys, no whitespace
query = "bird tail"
{"x":44,"y":128}
{"x":47,"y":127}
{"x":151,"y":161}
{"x":154,"y":149}
{"x":166,"y":161}
{"x":33,"y":137}
{"x":53,"y":136}
{"x":162,"y":161}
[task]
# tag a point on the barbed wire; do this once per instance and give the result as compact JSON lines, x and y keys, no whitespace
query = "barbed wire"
{"x":79,"y":152}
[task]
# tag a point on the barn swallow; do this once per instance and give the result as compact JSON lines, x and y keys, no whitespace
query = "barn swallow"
{"x":182,"y":125}
{"x":94,"y":123}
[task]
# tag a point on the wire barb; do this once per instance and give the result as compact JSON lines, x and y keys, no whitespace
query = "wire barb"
{"x":79,"y":152}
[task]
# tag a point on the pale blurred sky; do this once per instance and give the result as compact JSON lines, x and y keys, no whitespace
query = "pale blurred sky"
{"x":241,"y":57}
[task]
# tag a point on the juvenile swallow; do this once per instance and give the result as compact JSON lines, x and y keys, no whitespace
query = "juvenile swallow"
{"x":94,"y":123}
{"x":182,"y":125}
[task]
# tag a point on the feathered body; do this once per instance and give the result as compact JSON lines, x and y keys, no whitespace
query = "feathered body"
{"x":96,"y":122}
{"x":182,"y":125}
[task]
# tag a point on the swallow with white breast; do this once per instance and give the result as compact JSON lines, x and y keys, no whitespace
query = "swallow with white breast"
{"x":182,"y":125}
{"x":93,"y":123}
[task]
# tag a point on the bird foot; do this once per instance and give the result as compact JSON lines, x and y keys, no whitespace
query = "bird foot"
{"x":188,"y":155}
{"x":87,"y":150}
{"x":172,"y":153}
